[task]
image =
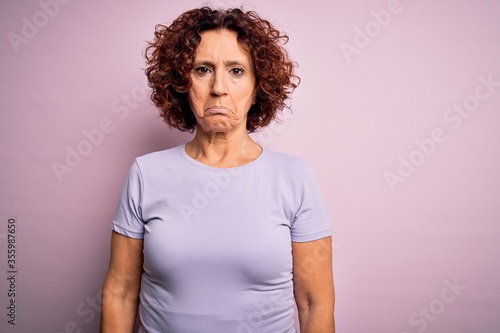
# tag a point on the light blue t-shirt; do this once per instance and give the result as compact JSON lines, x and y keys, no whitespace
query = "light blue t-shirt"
{"x":218,"y":242}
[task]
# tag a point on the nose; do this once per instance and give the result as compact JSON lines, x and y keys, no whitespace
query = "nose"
{"x":218,"y":84}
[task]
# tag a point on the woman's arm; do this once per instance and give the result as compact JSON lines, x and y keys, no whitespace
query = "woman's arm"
{"x":120,"y":293}
{"x":313,"y":285}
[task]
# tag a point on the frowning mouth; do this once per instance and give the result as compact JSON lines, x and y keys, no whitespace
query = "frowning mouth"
{"x":217,"y":110}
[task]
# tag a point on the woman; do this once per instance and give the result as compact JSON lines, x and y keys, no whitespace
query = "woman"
{"x":219,"y":234}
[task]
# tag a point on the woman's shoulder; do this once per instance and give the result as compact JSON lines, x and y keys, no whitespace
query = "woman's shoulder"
{"x":159,"y":158}
{"x":286,"y":161}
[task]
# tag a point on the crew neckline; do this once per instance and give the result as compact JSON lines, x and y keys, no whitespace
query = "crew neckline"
{"x":189,"y":159}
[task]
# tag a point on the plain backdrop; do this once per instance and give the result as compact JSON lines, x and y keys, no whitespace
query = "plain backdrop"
{"x":398,"y":111}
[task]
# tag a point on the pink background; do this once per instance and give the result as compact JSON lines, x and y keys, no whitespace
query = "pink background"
{"x":359,"y":116}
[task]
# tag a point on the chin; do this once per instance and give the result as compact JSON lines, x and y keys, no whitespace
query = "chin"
{"x":215,"y":129}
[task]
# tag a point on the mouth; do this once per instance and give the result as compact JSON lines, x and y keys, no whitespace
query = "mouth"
{"x":217,"y":110}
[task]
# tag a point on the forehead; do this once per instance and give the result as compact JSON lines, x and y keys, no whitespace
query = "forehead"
{"x":221,"y":43}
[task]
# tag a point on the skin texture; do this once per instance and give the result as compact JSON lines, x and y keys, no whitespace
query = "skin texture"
{"x":120,"y":293}
{"x":222,"y":92}
{"x":313,"y":285}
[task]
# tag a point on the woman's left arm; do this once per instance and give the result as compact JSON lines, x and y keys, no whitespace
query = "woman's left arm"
{"x":313,"y":285}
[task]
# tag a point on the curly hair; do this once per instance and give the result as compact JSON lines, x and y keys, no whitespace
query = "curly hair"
{"x":170,"y":56}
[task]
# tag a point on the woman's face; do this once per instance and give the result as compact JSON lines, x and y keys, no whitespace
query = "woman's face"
{"x":223,"y":87}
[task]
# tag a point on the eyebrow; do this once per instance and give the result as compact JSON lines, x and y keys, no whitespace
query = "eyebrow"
{"x":226,"y":63}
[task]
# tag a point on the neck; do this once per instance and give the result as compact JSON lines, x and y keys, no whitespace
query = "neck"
{"x":223,"y":149}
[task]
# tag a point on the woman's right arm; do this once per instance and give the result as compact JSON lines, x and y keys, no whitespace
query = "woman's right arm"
{"x":120,"y":293}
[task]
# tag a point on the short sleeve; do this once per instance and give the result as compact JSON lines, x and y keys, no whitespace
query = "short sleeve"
{"x":311,"y":220}
{"x":128,"y":217}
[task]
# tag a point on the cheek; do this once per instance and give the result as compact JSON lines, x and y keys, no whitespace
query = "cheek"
{"x":195,"y":99}
{"x":247,"y":98}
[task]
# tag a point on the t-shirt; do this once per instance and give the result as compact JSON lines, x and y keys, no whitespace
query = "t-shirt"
{"x":218,"y":241}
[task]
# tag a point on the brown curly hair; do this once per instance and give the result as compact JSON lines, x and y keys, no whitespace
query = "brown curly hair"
{"x":171,"y":54}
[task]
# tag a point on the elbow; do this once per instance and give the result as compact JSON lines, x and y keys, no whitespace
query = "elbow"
{"x":316,"y":314}
{"x":118,"y":290}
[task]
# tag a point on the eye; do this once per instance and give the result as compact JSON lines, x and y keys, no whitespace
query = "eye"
{"x":237,"y":71}
{"x":202,"y":70}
